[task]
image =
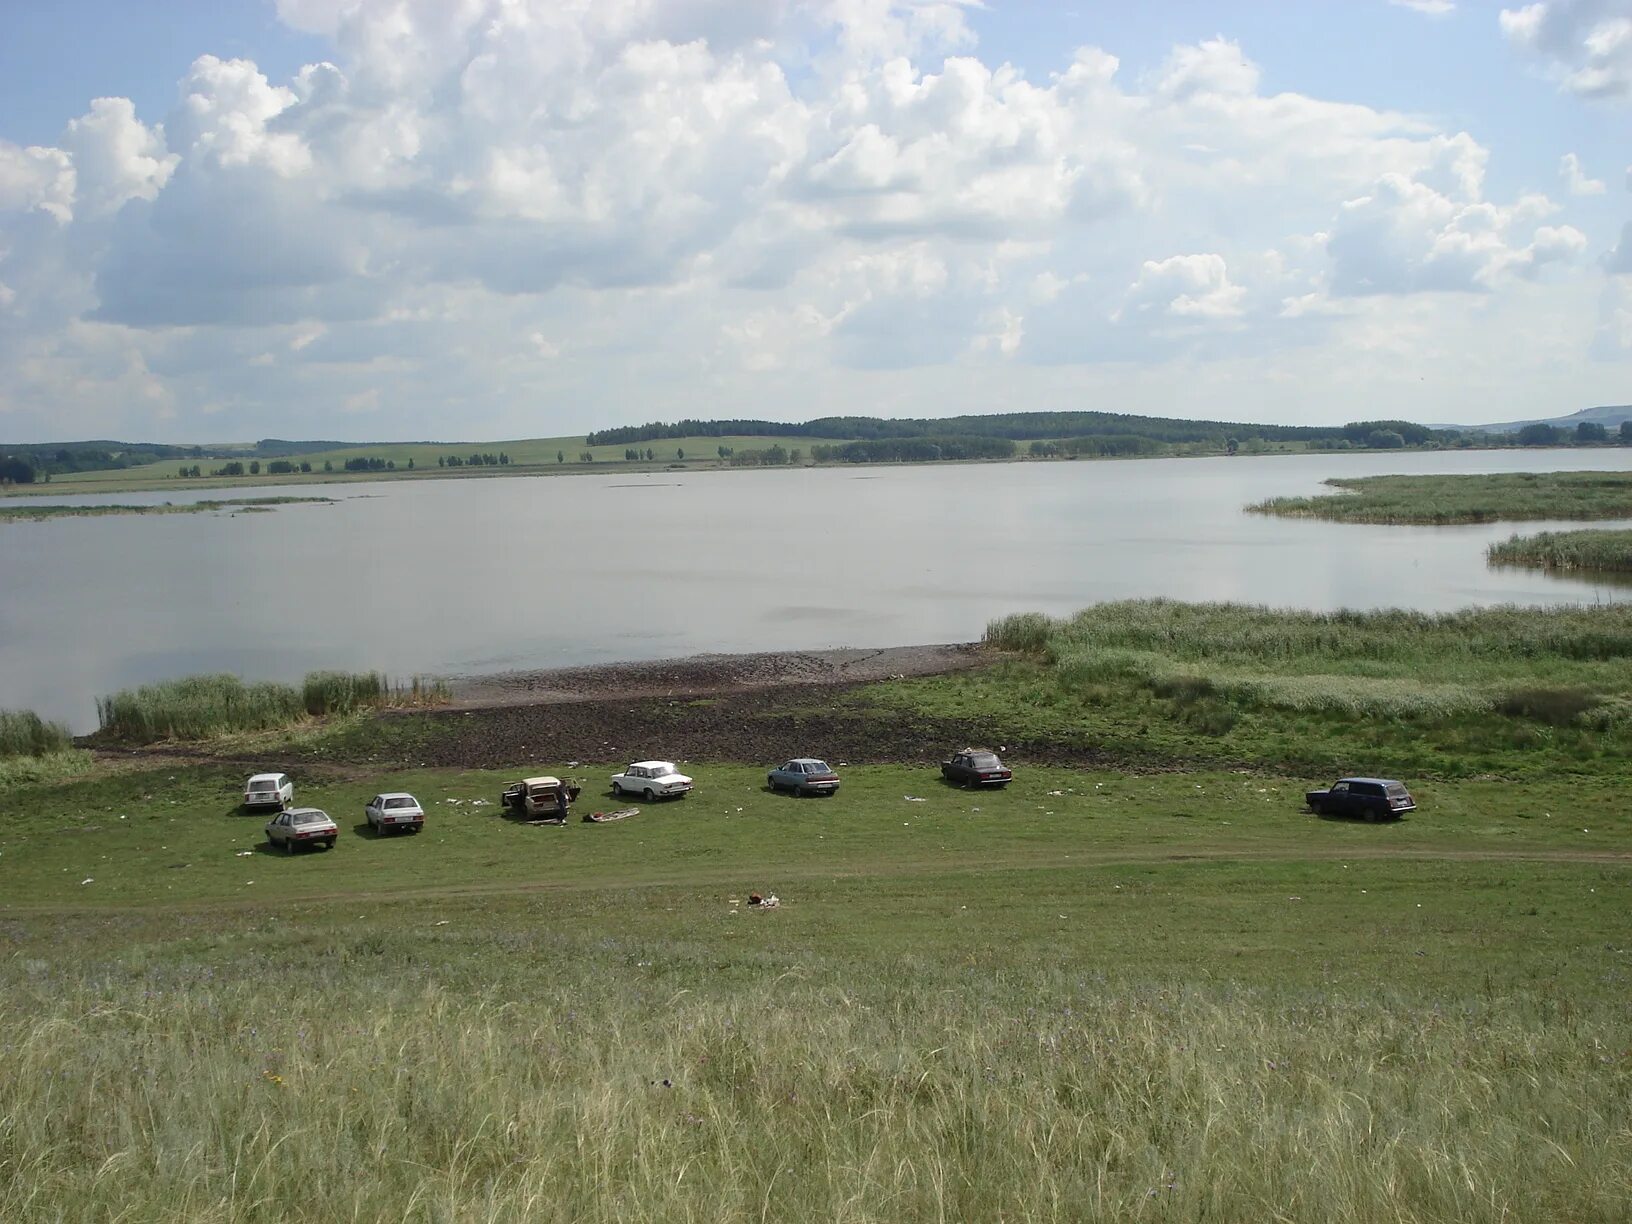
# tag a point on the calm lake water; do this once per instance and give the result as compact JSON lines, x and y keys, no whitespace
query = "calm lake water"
{"x":480,"y":575}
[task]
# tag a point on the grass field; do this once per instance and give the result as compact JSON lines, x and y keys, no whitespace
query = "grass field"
{"x":1600,"y":551}
{"x":528,"y":457}
{"x":1161,"y":991}
{"x":1464,"y":499}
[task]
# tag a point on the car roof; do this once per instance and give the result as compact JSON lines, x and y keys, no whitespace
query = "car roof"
{"x":1378,"y":781}
{"x":306,"y":811}
{"x":544,"y":780}
{"x":806,"y":761}
{"x":652,"y":765}
{"x":394,"y":795}
{"x":265,"y":777}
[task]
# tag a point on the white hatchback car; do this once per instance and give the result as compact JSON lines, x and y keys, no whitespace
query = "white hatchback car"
{"x":269,"y":790}
{"x":651,"y":780}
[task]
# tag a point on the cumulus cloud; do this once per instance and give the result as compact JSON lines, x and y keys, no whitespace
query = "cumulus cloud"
{"x":1585,"y":45}
{"x":576,"y":202}
{"x":1576,"y":180}
{"x":1186,"y":287}
{"x":1435,"y":232}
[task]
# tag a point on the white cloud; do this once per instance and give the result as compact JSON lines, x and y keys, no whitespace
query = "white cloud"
{"x":1186,"y":287}
{"x":1435,"y":232}
{"x":1430,"y":8}
{"x":1575,"y":179}
{"x":1585,"y":45}
{"x":583,"y":204}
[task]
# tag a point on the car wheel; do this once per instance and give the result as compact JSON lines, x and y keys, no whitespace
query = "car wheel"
{"x":329,"y":845}
{"x":288,"y":846}
{"x":650,"y":797}
{"x":617,"y":789}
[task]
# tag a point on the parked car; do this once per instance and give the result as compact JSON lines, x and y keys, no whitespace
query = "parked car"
{"x":651,"y":780}
{"x":1371,"y":798}
{"x":301,"y":827}
{"x":536,"y":796}
{"x":269,"y":790}
{"x":395,"y":812}
{"x":976,"y":767}
{"x":804,"y":776}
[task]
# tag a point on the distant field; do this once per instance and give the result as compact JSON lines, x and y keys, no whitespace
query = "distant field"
{"x":527,"y":457}
{"x":1464,"y":499}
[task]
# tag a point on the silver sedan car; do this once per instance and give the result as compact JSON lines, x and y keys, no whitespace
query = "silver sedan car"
{"x":289,"y":831}
{"x":804,"y":776}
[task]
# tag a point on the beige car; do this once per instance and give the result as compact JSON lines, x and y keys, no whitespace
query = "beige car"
{"x":289,"y":831}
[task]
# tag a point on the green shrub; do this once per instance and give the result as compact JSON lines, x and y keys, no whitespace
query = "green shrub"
{"x":25,"y":733}
{"x":1557,"y":706}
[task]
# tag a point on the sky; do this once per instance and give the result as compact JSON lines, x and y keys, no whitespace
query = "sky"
{"x":223,"y":220}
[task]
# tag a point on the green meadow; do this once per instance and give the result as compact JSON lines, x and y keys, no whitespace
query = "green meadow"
{"x":1140,"y":983}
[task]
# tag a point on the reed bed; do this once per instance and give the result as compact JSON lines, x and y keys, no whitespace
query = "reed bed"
{"x":1441,"y":500}
{"x":25,"y":733}
{"x":1524,"y":662}
{"x":199,"y":707}
{"x":37,"y":513}
{"x":1594,"y":551}
{"x":358,"y":1080}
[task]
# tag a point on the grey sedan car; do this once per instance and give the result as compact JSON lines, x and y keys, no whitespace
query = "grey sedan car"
{"x":804,"y":776}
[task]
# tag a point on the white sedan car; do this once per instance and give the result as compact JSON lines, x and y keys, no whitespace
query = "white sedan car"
{"x":395,"y":812}
{"x":651,"y":780}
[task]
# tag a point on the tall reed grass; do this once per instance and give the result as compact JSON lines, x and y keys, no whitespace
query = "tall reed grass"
{"x":198,"y":707}
{"x":25,"y":733}
{"x":1388,"y":663}
{"x":1603,"y":551}
{"x":1486,"y":498}
{"x":361,"y":1087}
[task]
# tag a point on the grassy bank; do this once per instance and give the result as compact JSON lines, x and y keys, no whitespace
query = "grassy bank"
{"x":997,"y":1054}
{"x":1508,"y":691}
{"x":33,"y":513}
{"x":1600,"y":551}
{"x":1101,"y":993}
{"x":1440,"y":500}
{"x":200,"y":707}
{"x":1087,"y":996}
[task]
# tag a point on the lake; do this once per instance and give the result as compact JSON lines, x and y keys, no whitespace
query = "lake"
{"x":460,"y":576}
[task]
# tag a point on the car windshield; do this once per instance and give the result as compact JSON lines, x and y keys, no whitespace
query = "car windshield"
{"x":985,"y":760}
{"x":1397,"y":790}
{"x":662,"y":769}
{"x":817,"y":767}
{"x":399,"y":803}
{"x":311,"y":818}
{"x":254,"y":786}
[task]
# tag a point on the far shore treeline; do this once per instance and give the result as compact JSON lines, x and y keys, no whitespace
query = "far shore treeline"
{"x":835,"y":439}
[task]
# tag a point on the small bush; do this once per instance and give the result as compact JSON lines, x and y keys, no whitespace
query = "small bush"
{"x":1184,"y":689}
{"x":25,"y":733}
{"x":1557,"y":707}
